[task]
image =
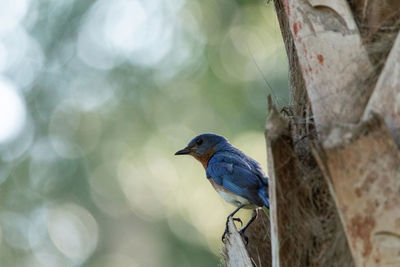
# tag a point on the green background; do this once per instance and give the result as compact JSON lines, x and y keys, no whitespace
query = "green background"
{"x":109,"y":91}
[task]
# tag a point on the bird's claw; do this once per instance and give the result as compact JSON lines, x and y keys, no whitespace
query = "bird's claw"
{"x":226,"y":232}
{"x":238,"y":220}
{"x":241,"y":232}
{"x":224,"y":235}
{"x":226,"y":226}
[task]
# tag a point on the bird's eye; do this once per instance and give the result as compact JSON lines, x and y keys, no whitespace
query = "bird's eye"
{"x":199,"y":141}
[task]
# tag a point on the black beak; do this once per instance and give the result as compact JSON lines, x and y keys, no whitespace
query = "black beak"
{"x":184,"y":151}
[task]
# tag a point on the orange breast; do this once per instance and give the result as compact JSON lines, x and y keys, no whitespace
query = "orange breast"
{"x":204,"y":158}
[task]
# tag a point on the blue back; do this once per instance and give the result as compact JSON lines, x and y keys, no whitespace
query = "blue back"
{"x":238,"y":173}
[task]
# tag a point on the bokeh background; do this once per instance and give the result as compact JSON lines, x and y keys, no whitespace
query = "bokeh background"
{"x":95,"y":98}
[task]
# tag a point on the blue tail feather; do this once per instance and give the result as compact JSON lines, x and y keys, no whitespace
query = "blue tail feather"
{"x":263,"y":194}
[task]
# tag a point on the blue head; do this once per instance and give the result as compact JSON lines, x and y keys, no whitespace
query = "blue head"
{"x":203,"y":146}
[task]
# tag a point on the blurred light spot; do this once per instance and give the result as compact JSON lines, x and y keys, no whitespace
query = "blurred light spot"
{"x":160,"y":166}
{"x":16,"y":43}
{"x":184,"y":229}
{"x":37,"y":229}
{"x":27,"y":70}
{"x":125,"y":25}
{"x":46,"y":255}
{"x":137,"y":186}
{"x":115,"y":149}
{"x":207,"y":13}
{"x":89,"y":93}
{"x":92,"y":45}
{"x":24,"y":57}
{"x":11,"y":14}
{"x":12,"y":111}
{"x":232,"y":62}
{"x":48,"y":172}
{"x":15,"y":230}
{"x":74,"y":133}
{"x":3,"y":56}
{"x":66,"y":148}
{"x":186,"y":51}
{"x":24,"y":231}
{"x":19,"y":145}
{"x":105,"y":190}
{"x":74,"y":231}
{"x":252,"y":41}
{"x":143,"y":32}
{"x":260,"y":49}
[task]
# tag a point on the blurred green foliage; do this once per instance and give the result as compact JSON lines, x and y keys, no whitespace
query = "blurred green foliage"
{"x":96,"y":96}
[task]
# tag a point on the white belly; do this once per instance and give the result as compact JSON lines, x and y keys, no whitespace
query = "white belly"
{"x":234,"y":199}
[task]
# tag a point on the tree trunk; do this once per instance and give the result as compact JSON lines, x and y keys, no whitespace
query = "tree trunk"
{"x":333,"y":154}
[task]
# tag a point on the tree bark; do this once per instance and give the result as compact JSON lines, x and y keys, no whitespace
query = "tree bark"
{"x":352,"y":130}
{"x":333,"y":154}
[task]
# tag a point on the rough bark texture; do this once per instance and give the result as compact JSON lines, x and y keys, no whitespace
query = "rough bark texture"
{"x":259,"y":245}
{"x":305,"y":225}
{"x":378,"y":23}
{"x":333,"y":154}
{"x":364,"y":170}
{"x":339,"y":78}
{"x":316,"y":26}
{"x":385,"y":99}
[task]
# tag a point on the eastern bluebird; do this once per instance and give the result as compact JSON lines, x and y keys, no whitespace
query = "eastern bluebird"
{"x":237,"y":178}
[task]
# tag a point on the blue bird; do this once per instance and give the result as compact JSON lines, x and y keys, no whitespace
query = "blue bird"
{"x":237,"y":178}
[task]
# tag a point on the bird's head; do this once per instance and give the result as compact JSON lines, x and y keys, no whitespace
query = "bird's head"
{"x":203,"y":146}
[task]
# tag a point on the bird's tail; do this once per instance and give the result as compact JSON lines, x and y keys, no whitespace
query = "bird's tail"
{"x":263,"y":194}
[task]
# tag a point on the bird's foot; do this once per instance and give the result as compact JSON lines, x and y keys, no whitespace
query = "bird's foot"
{"x":238,"y":220}
{"x":226,"y":232}
{"x":234,"y":219}
{"x":226,"y":228}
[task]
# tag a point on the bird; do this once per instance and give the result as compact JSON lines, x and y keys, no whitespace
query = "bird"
{"x":238,"y":179}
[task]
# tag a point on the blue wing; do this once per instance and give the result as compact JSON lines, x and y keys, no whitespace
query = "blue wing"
{"x":240,"y":175}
